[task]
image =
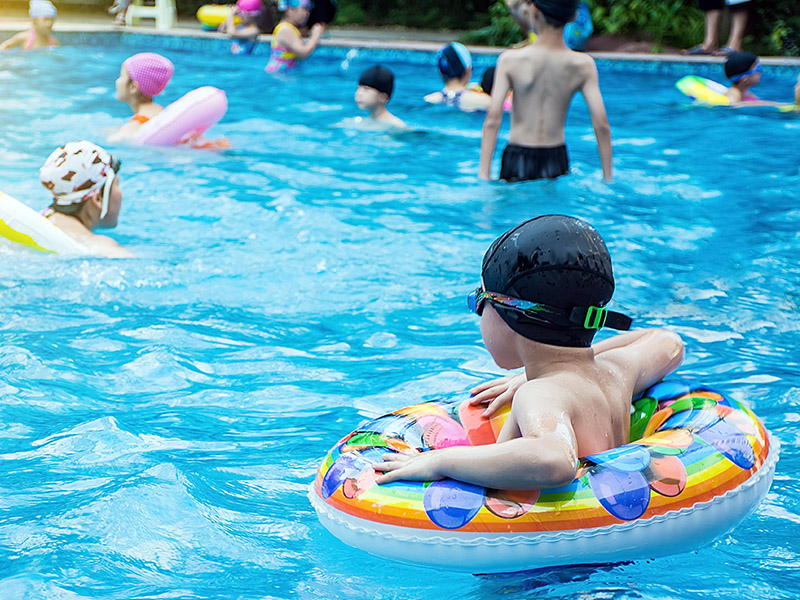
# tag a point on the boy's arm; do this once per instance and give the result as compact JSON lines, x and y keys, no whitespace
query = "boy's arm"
{"x":18,"y":39}
{"x":597,"y":111}
{"x":649,"y":354}
{"x":526,"y":463}
{"x":494,"y":118}
{"x":302,"y":49}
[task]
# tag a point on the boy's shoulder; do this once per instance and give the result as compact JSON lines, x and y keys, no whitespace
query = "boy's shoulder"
{"x":533,"y":54}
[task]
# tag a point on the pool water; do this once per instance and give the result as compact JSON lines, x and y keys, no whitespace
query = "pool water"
{"x":161,"y":418}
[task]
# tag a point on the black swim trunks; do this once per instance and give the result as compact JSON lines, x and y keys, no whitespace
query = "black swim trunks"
{"x":521,"y":163}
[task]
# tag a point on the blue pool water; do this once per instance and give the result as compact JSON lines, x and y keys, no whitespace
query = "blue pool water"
{"x":162,"y":417}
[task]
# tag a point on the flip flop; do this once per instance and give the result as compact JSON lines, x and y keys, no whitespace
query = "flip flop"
{"x":696,"y":50}
{"x":724,"y":51}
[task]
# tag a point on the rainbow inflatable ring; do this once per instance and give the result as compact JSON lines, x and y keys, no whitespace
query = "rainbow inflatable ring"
{"x":698,"y":464}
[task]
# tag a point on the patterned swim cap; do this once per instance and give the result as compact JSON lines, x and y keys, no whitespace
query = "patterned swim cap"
{"x":75,"y":170}
{"x":150,"y":71}
{"x":41,"y":9}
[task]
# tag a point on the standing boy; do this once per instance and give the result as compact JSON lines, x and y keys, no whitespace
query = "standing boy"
{"x":544,"y":77}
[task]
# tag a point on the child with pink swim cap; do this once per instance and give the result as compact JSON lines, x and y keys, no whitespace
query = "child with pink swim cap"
{"x":142,"y":77}
{"x":254,"y":18}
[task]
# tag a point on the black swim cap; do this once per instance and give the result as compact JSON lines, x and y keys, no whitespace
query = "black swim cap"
{"x":487,"y":81}
{"x":555,"y":260}
{"x":453,"y":60}
{"x":562,"y":11}
{"x":738,"y":63}
{"x":380,"y":78}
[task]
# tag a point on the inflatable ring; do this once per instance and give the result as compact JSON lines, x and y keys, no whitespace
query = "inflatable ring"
{"x":703,"y":90}
{"x":699,"y":464}
{"x":188,"y":117}
{"x":23,"y":226}
{"x":211,"y":16}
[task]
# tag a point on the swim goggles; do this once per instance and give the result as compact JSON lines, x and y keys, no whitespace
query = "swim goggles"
{"x":588,"y":317}
{"x":753,"y":71}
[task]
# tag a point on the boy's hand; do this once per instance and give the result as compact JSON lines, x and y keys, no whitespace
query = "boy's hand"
{"x":496,"y":393}
{"x":414,"y":467}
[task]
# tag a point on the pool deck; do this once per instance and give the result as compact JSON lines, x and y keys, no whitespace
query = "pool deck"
{"x":352,"y":37}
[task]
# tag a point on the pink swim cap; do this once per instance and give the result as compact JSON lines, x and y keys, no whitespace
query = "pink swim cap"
{"x":151,"y":72}
{"x":249,"y":6}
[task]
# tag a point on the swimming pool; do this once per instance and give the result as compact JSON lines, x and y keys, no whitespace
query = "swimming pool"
{"x":162,"y":417}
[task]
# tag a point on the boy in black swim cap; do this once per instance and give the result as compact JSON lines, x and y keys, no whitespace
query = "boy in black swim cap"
{"x":544,"y":77}
{"x":544,"y":289}
{"x":375,"y":87}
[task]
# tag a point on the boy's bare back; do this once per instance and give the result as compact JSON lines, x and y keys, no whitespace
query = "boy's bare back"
{"x":544,"y":81}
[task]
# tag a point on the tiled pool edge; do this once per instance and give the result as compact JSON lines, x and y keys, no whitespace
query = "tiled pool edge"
{"x":398,"y":50}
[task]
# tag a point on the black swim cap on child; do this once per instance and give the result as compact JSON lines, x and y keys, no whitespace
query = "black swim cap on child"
{"x":738,"y":63}
{"x":380,"y":78}
{"x":562,"y":11}
{"x":453,"y":60}
{"x":487,"y":81}
{"x":555,"y":260}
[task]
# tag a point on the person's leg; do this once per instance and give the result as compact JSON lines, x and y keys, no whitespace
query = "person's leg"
{"x":738,"y":24}
{"x":713,"y":17}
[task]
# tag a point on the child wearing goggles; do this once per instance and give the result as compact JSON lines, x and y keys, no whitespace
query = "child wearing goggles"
{"x":544,"y":289}
{"x":743,"y":69}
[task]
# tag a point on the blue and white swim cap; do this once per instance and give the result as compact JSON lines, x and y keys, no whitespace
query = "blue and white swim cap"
{"x":41,"y":9}
{"x":453,"y":60}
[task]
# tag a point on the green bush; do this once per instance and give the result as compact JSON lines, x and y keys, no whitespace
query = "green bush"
{"x":502,"y":30}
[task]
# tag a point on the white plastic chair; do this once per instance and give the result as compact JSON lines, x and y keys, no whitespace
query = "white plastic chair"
{"x":163,"y":11}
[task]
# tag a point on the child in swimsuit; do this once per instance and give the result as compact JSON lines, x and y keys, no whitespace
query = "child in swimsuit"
{"x":455,"y":67}
{"x":288,"y":46}
{"x":375,"y":87}
{"x":544,"y":77}
{"x":743,"y":69}
{"x":542,"y":296}
{"x":255,"y":18}
{"x":142,"y":77}
{"x":43,"y":16}
{"x":84,"y":181}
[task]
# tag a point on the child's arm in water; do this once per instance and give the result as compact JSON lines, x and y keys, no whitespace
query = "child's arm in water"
{"x":18,"y":39}
{"x":229,"y":27}
{"x":597,"y":111}
{"x":494,"y":118}
{"x":295,"y":44}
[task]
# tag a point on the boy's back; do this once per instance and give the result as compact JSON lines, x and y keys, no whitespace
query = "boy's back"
{"x":543,"y":77}
{"x":544,"y":81}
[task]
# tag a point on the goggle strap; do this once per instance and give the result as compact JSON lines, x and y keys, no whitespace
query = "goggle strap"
{"x":595,"y":317}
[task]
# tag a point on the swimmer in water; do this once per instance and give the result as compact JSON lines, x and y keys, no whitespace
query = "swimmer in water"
{"x":544,"y":76}
{"x":288,"y":47}
{"x":375,"y":87}
{"x":43,"y":17}
{"x":84,"y":181}
{"x":141,"y":77}
{"x":455,"y":67}
{"x":542,"y":297}
{"x":743,"y":69}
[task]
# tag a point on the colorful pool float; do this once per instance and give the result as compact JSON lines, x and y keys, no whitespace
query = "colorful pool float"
{"x":698,"y":464}
{"x":20,"y":225}
{"x":703,"y":90}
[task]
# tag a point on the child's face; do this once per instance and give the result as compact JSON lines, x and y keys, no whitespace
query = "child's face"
{"x":496,"y":338}
{"x":43,"y":25}
{"x":125,"y":87}
{"x":298,"y":15}
{"x":368,"y":98}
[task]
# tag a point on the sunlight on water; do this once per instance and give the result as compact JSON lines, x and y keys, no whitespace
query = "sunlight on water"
{"x":163,"y":416}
